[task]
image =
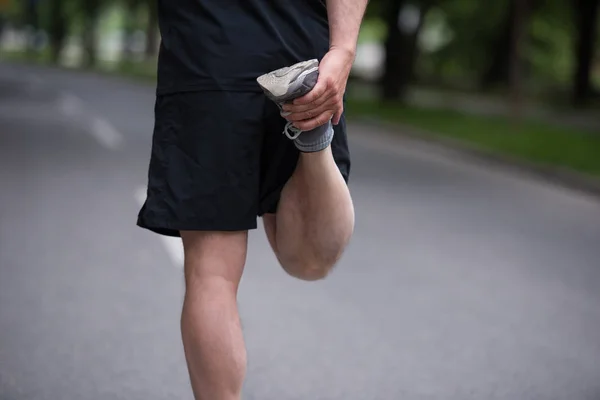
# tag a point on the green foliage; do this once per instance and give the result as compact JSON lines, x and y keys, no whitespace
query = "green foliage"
{"x":373,"y":31}
{"x":460,"y":41}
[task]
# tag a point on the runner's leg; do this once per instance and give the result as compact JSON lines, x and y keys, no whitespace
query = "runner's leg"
{"x":210,"y":324}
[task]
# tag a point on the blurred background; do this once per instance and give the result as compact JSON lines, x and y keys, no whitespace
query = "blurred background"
{"x":514,"y":59}
{"x":475,"y":268}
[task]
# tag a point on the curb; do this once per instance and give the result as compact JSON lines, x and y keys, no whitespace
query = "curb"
{"x":565,"y":177}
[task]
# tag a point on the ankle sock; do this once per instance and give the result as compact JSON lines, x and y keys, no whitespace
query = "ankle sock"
{"x":315,"y":140}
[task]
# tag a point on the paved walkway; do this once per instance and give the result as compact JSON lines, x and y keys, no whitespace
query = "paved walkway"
{"x":461,"y":283}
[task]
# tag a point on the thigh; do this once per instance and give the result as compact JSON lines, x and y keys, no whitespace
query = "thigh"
{"x":205,"y":165}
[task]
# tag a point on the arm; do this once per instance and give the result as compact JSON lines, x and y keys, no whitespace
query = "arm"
{"x":325,"y":101}
{"x":345,"y":18}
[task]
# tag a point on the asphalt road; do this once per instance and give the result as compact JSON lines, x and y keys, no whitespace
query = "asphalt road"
{"x":461,"y":282}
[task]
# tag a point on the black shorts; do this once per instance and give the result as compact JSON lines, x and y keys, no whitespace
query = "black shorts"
{"x":219,"y":161}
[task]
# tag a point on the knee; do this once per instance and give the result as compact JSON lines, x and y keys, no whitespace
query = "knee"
{"x":214,"y":258}
{"x":308,"y":270}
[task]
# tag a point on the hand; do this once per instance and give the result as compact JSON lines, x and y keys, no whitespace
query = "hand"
{"x":325,"y":101}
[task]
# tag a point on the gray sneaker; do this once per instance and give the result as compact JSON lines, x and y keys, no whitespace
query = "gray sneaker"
{"x":289,"y":83}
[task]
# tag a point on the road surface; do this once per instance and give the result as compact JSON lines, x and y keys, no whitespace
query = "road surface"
{"x":461,"y":282}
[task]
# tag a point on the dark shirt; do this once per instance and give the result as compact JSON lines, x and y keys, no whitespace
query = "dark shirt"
{"x":227,"y":44}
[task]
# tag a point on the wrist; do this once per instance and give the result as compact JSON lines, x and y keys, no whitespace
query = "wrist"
{"x":346,"y":48}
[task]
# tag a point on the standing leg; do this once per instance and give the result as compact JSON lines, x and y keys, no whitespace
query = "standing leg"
{"x":204,"y":185}
{"x":210,"y":324}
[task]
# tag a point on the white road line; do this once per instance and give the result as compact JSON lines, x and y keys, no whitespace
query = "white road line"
{"x":173,"y":245}
{"x":105,"y":133}
{"x":102,"y":130}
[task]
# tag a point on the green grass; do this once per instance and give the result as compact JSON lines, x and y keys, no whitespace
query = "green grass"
{"x":530,"y":140}
{"x":42,"y":58}
{"x":142,"y":70}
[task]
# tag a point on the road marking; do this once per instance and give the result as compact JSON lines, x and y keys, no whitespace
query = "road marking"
{"x":102,"y":130}
{"x":173,"y":245}
{"x":105,"y":133}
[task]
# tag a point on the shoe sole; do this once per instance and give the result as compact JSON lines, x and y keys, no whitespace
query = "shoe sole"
{"x":291,"y":82}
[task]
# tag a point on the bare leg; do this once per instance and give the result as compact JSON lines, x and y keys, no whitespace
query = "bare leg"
{"x":210,"y":324}
{"x":315,"y":218}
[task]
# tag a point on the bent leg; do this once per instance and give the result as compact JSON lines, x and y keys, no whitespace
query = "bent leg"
{"x":314,"y":220}
{"x":210,"y":324}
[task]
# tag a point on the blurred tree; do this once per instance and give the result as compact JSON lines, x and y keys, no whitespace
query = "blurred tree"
{"x":497,"y":71}
{"x":152,"y":29}
{"x":468,"y":28}
{"x":519,"y":45}
{"x":502,"y":43}
{"x":131,"y":21}
{"x":586,"y":17}
{"x":91,"y":11}
{"x":32,"y":21}
{"x":58,"y":28}
{"x":404,"y":20}
{"x":520,"y":14}
{"x":5,"y":5}
{"x":392,"y":81}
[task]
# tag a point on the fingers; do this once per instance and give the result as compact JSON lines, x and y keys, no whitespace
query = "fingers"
{"x":317,"y":107}
{"x":310,"y":124}
{"x":301,"y":113}
{"x":311,"y":119}
{"x":318,"y":102}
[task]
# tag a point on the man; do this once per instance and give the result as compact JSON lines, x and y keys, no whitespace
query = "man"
{"x":220,"y":158}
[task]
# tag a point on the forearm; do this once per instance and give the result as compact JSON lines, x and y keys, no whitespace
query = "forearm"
{"x":345,"y":18}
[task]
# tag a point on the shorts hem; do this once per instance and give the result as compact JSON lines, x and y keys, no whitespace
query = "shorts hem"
{"x":173,"y":229}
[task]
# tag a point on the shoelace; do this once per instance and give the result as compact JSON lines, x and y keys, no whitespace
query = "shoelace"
{"x":291,"y":131}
